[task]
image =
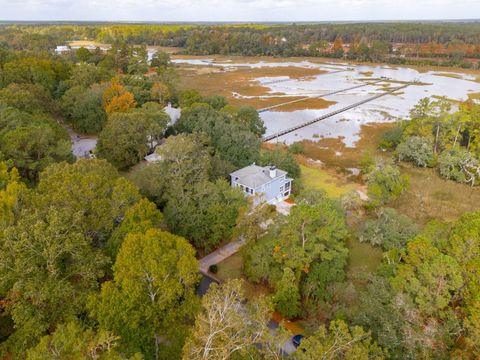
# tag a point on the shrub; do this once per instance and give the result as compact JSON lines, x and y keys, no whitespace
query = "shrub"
{"x":392,"y":138}
{"x":296,"y":148}
{"x":213,"y":268}
{"x":418,"y":150}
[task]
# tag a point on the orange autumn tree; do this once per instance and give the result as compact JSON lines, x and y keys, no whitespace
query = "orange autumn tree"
{"x":338,"y":44}
{"x":117,"y":98}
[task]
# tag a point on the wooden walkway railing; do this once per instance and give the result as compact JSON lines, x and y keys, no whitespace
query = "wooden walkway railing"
{"x":333,"y":113}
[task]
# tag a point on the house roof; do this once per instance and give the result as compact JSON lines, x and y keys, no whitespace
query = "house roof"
{"x":254,"y":176}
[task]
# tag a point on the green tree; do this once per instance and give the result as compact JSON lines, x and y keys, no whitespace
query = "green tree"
{"x":90,"y":188}
{"x":428,"y":276}
{"x":205,"y":213}
{"x":125,"y":140}
{"x":152,"y":296}
{"x":48,"y":269}
{"x":340,"y":342}
{"x":287,"y":295}
{"x":385,"y":183}
{"x":160,"y":58}
{"x":83,"y":54}
{"x":73,"y":341}
{"x":390,"y":230}
{"x":459,"y":165}
{"x":417,"y":150}
{"x":282,"y":160}
{"x":83,"y":108}
{"x":231,"y":141}
{"x":33,"y":147}
{"x":139,"y":218}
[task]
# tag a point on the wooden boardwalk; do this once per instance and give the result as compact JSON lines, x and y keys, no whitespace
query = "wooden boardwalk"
{"x":333,"y":113}
{"x":319,"y":96}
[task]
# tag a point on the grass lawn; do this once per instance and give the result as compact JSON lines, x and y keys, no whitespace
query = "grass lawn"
{"x":363,"y":259}
{"x":315,"y":178}
{"x":231,"y":267}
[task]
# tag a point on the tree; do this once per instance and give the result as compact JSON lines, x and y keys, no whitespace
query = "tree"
{"x":310,"y":242}
{"x":161,"y":93}
{"x":228,"y":325}
{"x":231,"y":141}
{"x":385,"y":183}
{"x":86,"y":75}
{"x":33,"y":147}
{"x":91,"y":189}
{"x":464,"y":246}
{"x":126,"y":138}
{"x":249,"y":117}
{"x":390,"y":230}
{"x":459,"y":165}
{"x":74,"y":341}
{"x":282,"y":160}
{"x":205,"y":213}
{"x":340,"y":342}
{"x":83,"y":54}
{"x":428,"y":276}
{"x":160,"y":58}
{"x":152,"y":296}
{"x":187,"y":158}
{"x":117,"y":98}
{"x":29,"y":98}
{"x":189,"y":97}
{"x":287,"y":295}
{"x":84,"y":109}
{"x":253,"y":221}
{"x":48,"y":269}
{"x":140,"y":217}
{"x":13,"y":195}
{"x":417,"y":150}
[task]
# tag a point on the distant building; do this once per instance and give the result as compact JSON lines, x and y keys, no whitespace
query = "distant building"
{"x":61,"y":49}
{"x":269,"y":184}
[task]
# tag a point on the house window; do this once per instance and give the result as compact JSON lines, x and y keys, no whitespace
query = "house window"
{"x":281,"y":188}
{"x":287,"y":185}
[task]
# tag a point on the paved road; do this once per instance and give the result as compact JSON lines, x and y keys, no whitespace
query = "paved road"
{"x":219,"y":255}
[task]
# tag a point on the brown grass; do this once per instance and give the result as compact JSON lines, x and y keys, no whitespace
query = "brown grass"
{"x":326,"y":148}
{"x":431,"y":197}
{"x":219,"y":81}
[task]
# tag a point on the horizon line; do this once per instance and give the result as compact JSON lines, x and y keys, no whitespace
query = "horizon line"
{"x":174,"y":22}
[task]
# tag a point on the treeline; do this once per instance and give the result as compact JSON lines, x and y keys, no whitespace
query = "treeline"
{"x":253,"y":39}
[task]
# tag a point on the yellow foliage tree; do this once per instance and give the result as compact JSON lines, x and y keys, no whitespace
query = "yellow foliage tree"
{"x":123,"y":103}
{"x":117,"y":98}
{"x":160,"y":92}
{"x":338,"y":44}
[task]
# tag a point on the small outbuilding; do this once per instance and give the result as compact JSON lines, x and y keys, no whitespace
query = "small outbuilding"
{"x":267,"y":183}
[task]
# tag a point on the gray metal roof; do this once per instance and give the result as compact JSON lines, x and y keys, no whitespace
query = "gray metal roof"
{"x":254,"y":176}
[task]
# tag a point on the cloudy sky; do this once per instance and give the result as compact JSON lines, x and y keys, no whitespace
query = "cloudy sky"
{"x":237,"y":10}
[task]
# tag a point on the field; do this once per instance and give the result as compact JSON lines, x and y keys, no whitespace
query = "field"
{"x":431,"y":197}
{"x":316,"y":178}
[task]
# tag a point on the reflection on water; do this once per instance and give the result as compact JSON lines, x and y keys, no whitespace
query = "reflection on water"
{"x":348,"y":124}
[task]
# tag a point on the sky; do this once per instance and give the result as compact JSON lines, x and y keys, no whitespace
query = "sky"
{"x":237,"y":10}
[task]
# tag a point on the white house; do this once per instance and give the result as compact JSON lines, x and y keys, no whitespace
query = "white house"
{"x":269,"y":184}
